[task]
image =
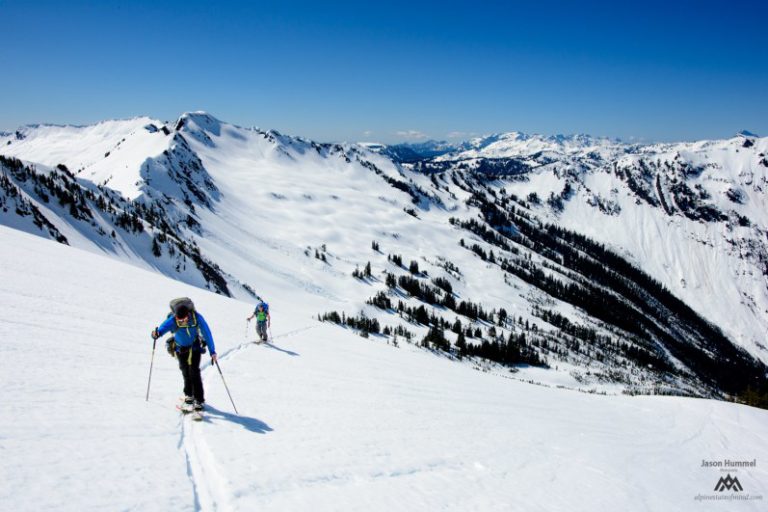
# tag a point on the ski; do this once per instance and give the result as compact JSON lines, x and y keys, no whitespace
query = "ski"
{"x":185,"y":408}
{"x":195,"y":415}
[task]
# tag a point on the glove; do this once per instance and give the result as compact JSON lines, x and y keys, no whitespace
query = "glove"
{"x":214,"y":358}
{"x":155,"y":334}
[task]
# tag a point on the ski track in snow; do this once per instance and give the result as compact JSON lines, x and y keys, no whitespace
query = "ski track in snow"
{"x":211,"y":491}
{"x":210,"y":488}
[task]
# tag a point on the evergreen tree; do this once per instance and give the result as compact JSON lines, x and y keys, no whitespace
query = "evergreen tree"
{"x":156,"y":248}
{"x":461,"y":344}
{"x":502,"y":317}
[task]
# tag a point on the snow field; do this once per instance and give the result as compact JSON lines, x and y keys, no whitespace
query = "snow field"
{"x":328,"y":420}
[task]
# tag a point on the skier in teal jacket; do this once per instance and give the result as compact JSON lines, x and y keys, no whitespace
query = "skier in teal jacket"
{"x":191,"y":335}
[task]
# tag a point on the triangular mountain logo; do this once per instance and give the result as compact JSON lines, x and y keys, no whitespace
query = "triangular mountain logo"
{"x":728,"y":483}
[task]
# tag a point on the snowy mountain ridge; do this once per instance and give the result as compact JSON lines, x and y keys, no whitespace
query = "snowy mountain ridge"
{"x":521,"y":144}
{"x":496,"y":145}
{"x":510,"y":255}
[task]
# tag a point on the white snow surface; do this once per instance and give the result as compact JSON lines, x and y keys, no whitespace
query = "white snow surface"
{"x":327,"y":420}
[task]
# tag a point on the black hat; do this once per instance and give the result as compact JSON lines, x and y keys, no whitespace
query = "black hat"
{"x":181,"y":311}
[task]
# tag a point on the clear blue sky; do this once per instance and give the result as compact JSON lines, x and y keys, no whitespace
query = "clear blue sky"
{"x":391,"y":71}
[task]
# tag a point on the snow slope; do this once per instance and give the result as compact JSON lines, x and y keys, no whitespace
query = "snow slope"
{"x":719,"y":267}
{"x":85,"y":150}
{"x":328,"y":421}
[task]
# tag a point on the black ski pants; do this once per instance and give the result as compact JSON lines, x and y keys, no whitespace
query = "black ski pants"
{"x":190,"y":369}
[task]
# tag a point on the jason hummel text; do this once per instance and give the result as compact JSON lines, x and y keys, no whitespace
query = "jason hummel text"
{"x":727,"y":463}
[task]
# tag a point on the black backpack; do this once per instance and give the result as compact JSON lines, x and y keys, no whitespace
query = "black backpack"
{"x":185,"y":302}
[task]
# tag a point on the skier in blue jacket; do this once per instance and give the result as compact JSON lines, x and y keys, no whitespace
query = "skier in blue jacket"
{"x":191,"y":335}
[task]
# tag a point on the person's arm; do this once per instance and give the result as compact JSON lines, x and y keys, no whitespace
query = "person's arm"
{"x":165,"y":327}
{"x":207,"y":334}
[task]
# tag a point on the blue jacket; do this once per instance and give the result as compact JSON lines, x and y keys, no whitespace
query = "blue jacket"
{"x":185,"y":335}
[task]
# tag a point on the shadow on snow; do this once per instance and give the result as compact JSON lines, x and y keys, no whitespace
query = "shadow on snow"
{"x":274,"y":347}
{"x":252,"y":424}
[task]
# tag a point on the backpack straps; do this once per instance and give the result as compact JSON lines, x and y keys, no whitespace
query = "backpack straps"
{"x":195,"y":325}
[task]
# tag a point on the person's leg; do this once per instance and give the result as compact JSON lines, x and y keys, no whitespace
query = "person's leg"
{"x":262,"y":330}
{"x":184,"y":366}
{"x":196,"y":378}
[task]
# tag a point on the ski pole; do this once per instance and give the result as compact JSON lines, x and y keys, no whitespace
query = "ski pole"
{"x":247,"y":323}
{"x":270,"y":333}
{"x":225,"y":386}
{"x":151,"y":363}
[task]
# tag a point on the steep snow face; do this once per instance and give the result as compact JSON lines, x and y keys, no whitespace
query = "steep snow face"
{"x":327,"y":421}
{"x":459,"y":250}
{"x":699,"y":225}
{"x":693,"y":215}
{"x":284,"y":199}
